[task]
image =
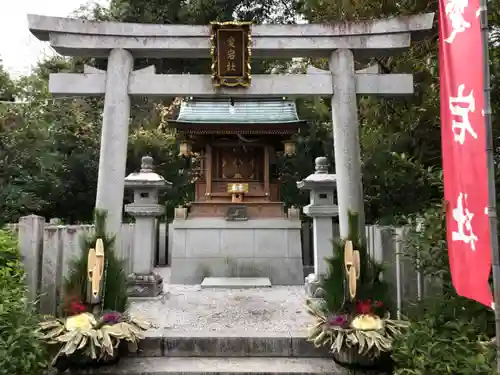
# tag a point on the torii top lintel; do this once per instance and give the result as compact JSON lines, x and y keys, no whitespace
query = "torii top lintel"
{"x":77,"y":37}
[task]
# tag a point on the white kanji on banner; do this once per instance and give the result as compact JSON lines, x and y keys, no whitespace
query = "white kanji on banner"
{"x":461,"y":106}
{"x":463,"y":217}
{"x":455,"y":11}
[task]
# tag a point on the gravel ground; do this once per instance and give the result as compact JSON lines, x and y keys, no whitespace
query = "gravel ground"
{"x":188,"y":308}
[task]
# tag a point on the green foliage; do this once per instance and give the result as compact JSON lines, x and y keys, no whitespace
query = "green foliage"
{"x":448,"y":332}
{"x":9,"y":254}
{"x":7,"y":87}
{"x":370,"y":285}
{"x":427,"y":247}
{"x":21,"y":353}
{"x":115,"y":288}
{"x":447,"y":336}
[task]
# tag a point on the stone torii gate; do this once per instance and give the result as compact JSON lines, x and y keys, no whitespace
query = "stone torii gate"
{"x":120,"y":43}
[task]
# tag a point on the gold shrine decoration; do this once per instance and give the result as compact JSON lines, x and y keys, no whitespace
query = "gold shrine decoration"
{"x":231,"y":51}
{"x":95,"y":267}
{"x":352,"y":267}
{"x":237,"y":188}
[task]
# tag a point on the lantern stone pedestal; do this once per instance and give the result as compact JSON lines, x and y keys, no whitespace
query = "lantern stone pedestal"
{"x":322,"y":209}
{"x":146,"y":184}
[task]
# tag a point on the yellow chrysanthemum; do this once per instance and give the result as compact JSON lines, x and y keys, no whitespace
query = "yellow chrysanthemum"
{"x":83,"y":322}
{"x":367,"y":322}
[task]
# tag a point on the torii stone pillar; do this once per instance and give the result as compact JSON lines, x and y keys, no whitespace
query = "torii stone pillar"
{"x":114,"y":138}
{"x":346,"y":139}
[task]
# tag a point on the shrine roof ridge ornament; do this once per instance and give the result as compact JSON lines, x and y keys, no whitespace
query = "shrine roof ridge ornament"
{"x":78,"y":37}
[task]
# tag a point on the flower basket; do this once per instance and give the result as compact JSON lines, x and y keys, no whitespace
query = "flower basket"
{"x":80,"y":361}
{"x":351,"y":358}
{"x":83,"y":340}
{"x":358,"y":341}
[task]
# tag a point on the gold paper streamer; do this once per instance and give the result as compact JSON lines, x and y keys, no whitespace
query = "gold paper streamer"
{"x":95,"y":267}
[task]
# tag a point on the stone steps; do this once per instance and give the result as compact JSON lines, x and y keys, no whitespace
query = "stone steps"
{"x":223,"y":366}
{"x":170,"y":344}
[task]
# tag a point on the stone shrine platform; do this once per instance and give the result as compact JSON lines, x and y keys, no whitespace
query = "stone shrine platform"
{"x":215,"y":247}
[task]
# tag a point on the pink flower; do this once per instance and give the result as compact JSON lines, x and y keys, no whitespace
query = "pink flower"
{"x":338,"y":321}
{"x":112,"y":317}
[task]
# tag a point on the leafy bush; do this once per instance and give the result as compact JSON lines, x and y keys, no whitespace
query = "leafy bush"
{"x":448,"y":333}
{"x":115,"y":289}
{"x":9,"y":253}
{"x":21,"y":353}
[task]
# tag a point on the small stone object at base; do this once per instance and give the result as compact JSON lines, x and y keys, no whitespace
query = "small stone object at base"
{"x":150,"y":285}
{"x":180,"y":213}
{"x":313,"y":286}
{"x":237,"y":213}
{"x":293,"y":213}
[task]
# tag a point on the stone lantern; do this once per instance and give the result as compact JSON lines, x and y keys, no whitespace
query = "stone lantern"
{"x":322,"y":209}
{"x":146,"y":184}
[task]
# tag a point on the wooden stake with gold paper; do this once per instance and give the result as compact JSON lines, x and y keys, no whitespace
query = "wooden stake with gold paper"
{"x":352,"y":269}
{"x":95,"y":273}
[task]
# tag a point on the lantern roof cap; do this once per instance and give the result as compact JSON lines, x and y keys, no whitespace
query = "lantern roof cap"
{"x":146,"y":177}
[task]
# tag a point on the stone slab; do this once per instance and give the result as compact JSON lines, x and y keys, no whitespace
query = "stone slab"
{"x":223,"y":366}
{"x":255,"y":248}
{"x":160,"y":297}
{"x":263,"y":85}
{"x":236,"y":282}
{"x":76,"y":37}
{"x":42,"y":26}
{"x":238,"y":343}
{"x":281,"y":270}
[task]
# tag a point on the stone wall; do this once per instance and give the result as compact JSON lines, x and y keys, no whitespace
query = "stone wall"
{"x":47,"y":250}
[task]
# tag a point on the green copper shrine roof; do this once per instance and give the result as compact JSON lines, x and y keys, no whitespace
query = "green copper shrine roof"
{"x":238,"y":111}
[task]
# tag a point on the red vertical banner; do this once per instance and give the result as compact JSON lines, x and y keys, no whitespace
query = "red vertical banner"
{"x":464,"y":148}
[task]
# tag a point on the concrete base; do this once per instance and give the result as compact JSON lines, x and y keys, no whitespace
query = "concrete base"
{"x":236,"y":282}
{"x":214,"y":247}
{"x":145,"y":286}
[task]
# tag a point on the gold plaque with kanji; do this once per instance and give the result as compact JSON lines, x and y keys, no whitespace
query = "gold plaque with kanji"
{"x":231,"y":46}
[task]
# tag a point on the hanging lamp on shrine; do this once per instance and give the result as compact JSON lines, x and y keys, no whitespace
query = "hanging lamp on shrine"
{"x":289,"y":147}
{"x":185,"y":148}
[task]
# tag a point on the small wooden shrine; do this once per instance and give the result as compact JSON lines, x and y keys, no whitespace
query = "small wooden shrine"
{"x":237,"y":140}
